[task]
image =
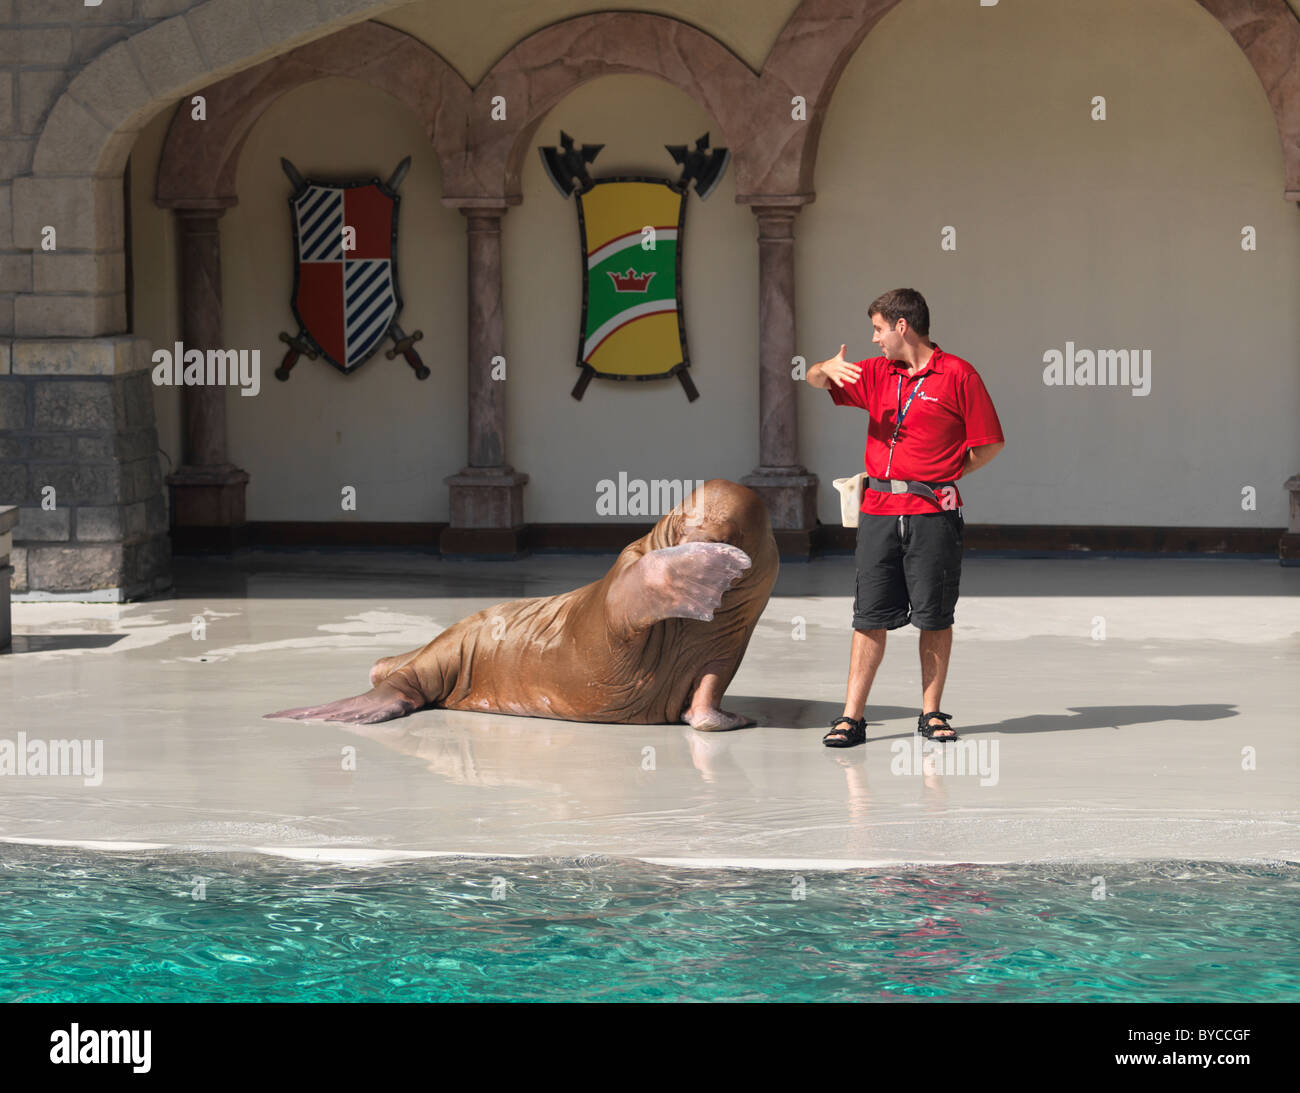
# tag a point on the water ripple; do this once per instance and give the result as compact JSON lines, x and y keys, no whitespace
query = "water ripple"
{"x":80,"y":926}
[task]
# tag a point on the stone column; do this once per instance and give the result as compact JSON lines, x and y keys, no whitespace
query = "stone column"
{"x":207,"y":489}
{"x":487,"y":502}
{"x":787,"y":487}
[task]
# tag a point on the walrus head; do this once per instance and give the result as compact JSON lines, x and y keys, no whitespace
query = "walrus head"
{"x":720,"y":511}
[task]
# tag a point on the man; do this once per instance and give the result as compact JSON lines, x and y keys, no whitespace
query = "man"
{"x":931,"y":422}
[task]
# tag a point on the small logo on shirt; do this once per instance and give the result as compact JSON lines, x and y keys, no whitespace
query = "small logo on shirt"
{"x":927,"y":398}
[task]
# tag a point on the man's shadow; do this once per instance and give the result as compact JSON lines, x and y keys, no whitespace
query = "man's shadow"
{"x":802,"y":714}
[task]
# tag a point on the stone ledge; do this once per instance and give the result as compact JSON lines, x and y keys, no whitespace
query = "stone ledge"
{"x":107,"y":356}
{"x":122,"y":594}
{"x":101,"y":272}
{"x":87,"y":315}
{"x":112,"y":572}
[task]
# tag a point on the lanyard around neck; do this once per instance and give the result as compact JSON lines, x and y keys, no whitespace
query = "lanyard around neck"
{"x":901,"y":414}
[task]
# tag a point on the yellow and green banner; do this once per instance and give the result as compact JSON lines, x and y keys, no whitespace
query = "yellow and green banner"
{"x":632,"y":325}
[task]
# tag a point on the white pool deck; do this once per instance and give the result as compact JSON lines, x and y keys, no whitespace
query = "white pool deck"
{"x":1134,"y":745}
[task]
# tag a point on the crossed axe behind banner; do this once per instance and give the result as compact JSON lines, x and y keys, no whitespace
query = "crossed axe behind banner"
{"x":301,"y":344}
{"x":566,"y":166}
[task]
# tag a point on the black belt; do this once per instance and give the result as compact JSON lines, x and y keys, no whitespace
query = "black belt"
{"x":899,"y":485}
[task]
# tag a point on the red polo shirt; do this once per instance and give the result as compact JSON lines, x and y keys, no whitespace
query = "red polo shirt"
{"x":950,"y":413}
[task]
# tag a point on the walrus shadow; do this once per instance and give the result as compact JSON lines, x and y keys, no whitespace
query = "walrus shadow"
{"x":804,"y":714}
{"x":1098,"y":717}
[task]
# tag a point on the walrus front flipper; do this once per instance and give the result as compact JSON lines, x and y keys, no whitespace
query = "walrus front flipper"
{"x":382,"y":703}
{"x":678,"y":582}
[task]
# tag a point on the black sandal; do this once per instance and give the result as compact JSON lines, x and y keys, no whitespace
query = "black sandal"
{"x":927,"y":730}
{"x":855,"y":734}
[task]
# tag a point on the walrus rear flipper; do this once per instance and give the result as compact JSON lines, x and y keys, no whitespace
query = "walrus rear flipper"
{"x":678,"y":582}
{"x":382,"y":703}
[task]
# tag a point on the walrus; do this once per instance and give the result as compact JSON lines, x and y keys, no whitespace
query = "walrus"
{"x":657,"y":639}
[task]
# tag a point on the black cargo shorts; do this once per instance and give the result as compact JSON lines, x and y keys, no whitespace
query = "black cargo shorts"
{"x":908,"y":570}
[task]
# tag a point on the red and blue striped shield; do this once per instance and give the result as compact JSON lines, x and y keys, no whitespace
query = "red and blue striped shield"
{"x":345,"y":298}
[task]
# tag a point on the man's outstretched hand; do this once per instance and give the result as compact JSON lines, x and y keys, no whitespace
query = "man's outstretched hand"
{"x":836,"y":370}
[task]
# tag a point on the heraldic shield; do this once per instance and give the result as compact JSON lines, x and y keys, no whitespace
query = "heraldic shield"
{"x":345,"y":300}
{"x":632,"y":325}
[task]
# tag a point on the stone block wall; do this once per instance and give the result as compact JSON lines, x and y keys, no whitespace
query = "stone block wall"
{"x":44,"y":44}
{"x":79,"y":457}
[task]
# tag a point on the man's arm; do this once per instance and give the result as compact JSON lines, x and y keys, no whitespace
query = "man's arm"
{"x":836,"y":370}
{"x":977,"y":457}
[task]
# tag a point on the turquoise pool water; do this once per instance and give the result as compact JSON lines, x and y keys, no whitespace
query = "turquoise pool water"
{"x":82,"y":927}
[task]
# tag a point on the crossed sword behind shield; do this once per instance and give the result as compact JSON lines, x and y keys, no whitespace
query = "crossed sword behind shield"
{"x":302,"y":343}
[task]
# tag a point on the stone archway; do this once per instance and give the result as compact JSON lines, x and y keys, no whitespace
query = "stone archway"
{"x":76,"y":172}
{"x":196,"y":179}
{"x":821,"y":37}
{"x":531,"y":78}
{"x":75,"y":400}
{"x":1268,"y":33}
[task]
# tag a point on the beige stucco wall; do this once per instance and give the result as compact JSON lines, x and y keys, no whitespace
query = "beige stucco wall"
{"x":648,"y":430}
{"x":1122,"y":233}
{"x":1116,"y":234}
{"x":379,"y":430}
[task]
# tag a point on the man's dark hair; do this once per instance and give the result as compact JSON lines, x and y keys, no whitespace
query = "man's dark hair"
{"x":903,"y":303}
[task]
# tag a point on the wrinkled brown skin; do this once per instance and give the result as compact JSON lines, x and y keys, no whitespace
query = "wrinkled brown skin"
{"x":657,"y":639}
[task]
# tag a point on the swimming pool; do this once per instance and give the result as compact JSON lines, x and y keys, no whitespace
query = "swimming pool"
{"x":81,"y":926}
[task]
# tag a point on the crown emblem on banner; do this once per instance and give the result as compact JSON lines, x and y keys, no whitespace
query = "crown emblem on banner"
{"x":631,"y":281}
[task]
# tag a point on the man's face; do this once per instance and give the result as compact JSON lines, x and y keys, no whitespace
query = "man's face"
{"x":888,"y":336}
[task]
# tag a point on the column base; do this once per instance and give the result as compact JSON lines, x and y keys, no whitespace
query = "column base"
{"x":487,"y":513}
{"x":207,"y":505}
{"x":790,"y":494}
